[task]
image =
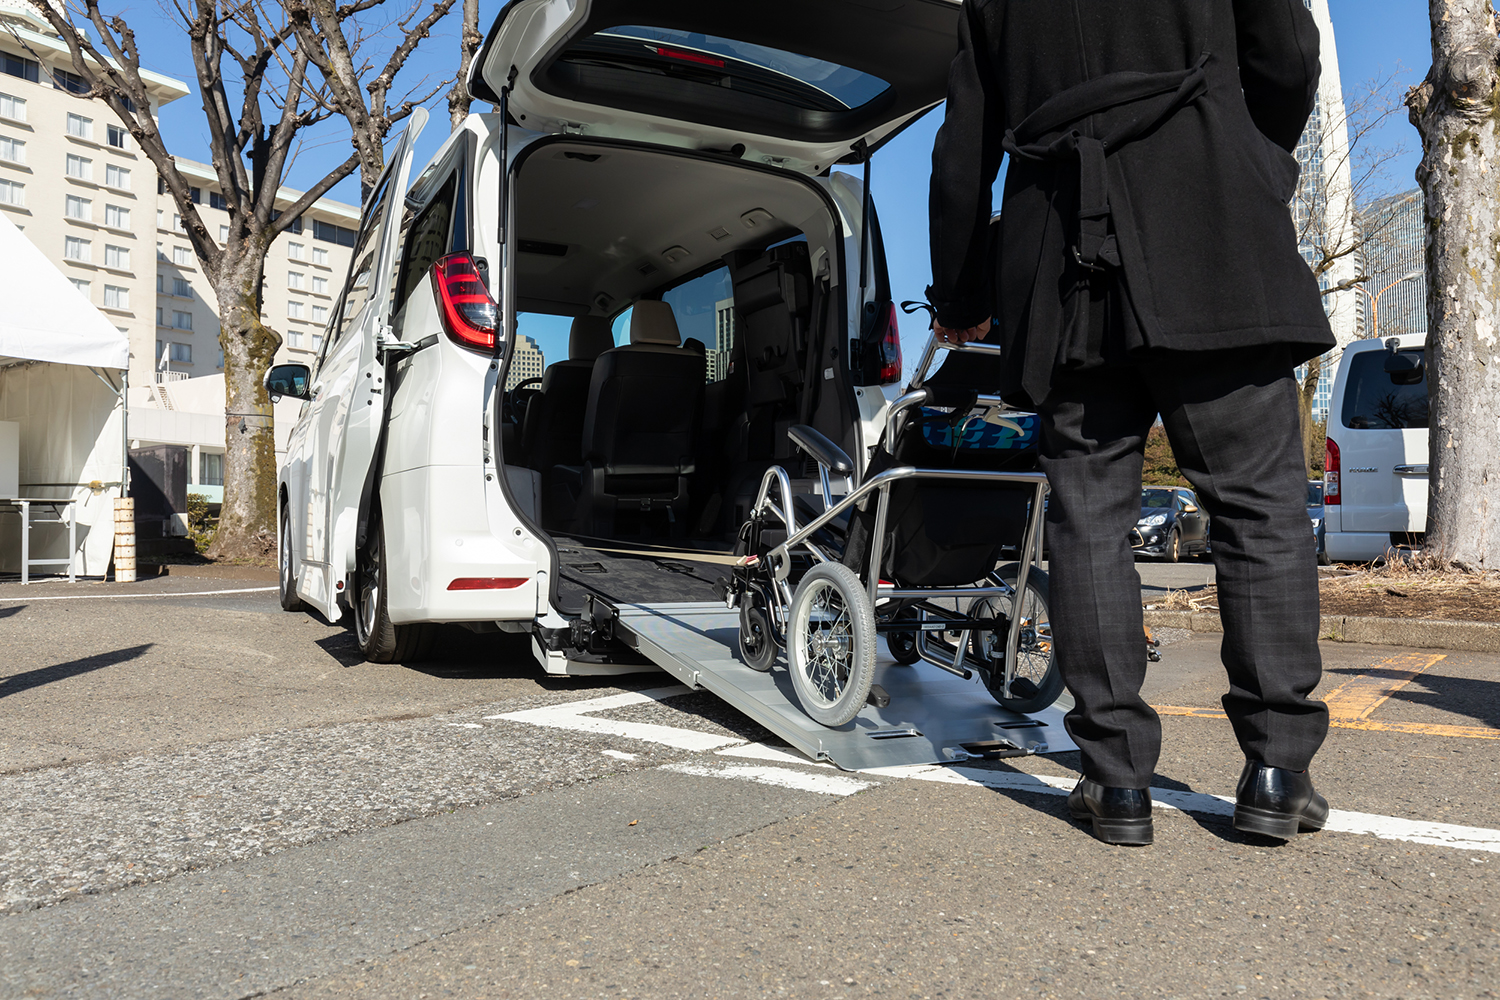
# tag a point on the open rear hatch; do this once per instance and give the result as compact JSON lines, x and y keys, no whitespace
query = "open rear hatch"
{"x":797,"y":83}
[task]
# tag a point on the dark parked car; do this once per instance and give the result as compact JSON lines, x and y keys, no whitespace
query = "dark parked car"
{"x":1315,"y":511}
{"x":1172,"y":524}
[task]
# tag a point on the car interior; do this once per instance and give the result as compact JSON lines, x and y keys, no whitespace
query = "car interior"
{"x":701,"y":298}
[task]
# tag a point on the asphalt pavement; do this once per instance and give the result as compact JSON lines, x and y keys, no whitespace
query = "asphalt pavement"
{"x":207,"y":797}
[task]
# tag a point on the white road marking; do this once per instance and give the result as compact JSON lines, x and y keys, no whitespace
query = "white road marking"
{"x":572,"y":715}
{"x":118,"y":597}
{"x":781,"y":777}
{"x":618,"y":754}
{"x":465,"y":725}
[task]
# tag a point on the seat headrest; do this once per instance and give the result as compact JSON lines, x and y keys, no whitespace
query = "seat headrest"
{"x":589,"y":338}
{"x":653,"y":323}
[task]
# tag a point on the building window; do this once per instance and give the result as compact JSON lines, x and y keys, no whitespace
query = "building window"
{"x":71,"y":82}
{"x":317,"y":341}
{"x":12,"y":150}
{"x":161,"y":289}
{"x":12,"y":193}
{"x":80,"y":127}
{"x":117,"y":177}
{"x":160,"y":321}
{"x":81,"y":285}
{"x":217,"y":200}
{"x":320,"y":285}
{"x":294,"y":251}
{"x":182,"y":256}
{"x":80,"y":168}
{"x":78,"y":208}
{"x":181,"y":288}
{"x":115,"y":136}
{"x":127,"y":104}
{"x":117,"y":257}
{"x":294,"y":279}
{"x":320,"y":314}
{"x":116,"y":217}
{"x":177,"y":226}
{"x":116,"y":297}
{"x":196,"y":195}
{"x":320,"y":256}
{"x":182,"y":321}
{"x":210,"y":469}
{"x":294,"y":310}
{"x":180,"y":352}
{"x":294,"y":339}
{"x":76,"y":248}
{"x":16,"y":66}
{"x":329,"y":233}
{"x":223,"y":234}
{"x":13,"y":108}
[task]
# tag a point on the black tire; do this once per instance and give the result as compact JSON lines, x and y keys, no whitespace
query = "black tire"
{"x":286,"y":579}
{"x":903,"y":645}
{"x":1173,"y":552}
{"x":830,"y":645}
{"x":379,"y":640}
{"x":757,"y":646}
{"x":1038,"y":682}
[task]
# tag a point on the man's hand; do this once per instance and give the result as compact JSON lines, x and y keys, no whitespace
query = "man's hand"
{"x":950,"y":336}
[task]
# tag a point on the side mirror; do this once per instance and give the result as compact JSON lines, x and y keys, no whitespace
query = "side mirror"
{"x":1188,"y":508}
{"x":1404,"y":367}
{"x":290,"y":380}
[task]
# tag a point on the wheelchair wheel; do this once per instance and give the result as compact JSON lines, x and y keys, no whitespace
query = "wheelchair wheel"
{"x":757,"y":646}
{"x":1037,"y":682}
{"x":830,"y":645}
{"x":903,"y":645}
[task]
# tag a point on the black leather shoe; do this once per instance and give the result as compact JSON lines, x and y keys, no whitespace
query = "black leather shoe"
{"x":1118,"y":815}
{"x":1277,"y":803}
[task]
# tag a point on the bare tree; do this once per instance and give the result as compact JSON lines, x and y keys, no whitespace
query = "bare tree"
{"x":1333,"y":234}
{"x":1456,"y":110}
{"x":459,"y":97}
{"x":253,"y":50}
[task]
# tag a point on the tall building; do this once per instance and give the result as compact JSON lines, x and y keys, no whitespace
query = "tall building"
{"x":1396,"y":248}
{"x":721,"y":352}
{"x":72,"y":179}
{"x":1323,"y":207}
{"x":527,"y":361}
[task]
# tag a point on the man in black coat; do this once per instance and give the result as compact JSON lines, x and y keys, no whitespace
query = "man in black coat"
{"x":1146,"y":265}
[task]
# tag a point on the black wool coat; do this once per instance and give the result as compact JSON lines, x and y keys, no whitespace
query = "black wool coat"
{"x":1150,"y":154}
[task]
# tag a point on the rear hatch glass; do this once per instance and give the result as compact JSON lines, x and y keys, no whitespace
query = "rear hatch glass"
{"x":1373,"y":401}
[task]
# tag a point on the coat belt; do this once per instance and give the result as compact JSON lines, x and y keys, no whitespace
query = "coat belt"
{"x":1051,"y":135}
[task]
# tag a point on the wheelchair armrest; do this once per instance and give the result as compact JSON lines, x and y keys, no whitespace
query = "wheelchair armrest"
{"x":824,"y":451}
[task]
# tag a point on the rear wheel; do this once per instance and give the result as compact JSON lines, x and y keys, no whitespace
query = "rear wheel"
{"x":1038,"y":681}
{"x":286,"y":578}
{"x":830,"y":644}
{"x":381,"y":641}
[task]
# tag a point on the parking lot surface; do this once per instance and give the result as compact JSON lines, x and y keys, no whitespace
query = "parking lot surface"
{"x":207,"y":797}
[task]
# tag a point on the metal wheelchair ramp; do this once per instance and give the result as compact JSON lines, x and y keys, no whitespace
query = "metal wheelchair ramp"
{"x":933,"y":718}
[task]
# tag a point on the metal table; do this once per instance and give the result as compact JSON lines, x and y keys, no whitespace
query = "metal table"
{"x":63,"y":512}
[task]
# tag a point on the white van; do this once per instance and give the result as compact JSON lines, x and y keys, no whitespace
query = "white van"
{"x":665,"y":182}
{"x":1375,"y":478}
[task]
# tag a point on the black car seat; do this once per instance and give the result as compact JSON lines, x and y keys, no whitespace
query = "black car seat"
{"x":552,"y":433}
{"x":645,"y":404}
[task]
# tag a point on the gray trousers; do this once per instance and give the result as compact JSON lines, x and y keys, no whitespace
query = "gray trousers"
{"x":1231,"y":417}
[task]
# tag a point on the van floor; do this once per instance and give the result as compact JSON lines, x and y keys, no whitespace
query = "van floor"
{"x":624,"y":572}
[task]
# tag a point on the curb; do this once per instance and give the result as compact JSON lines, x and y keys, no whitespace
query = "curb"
{"x":1414,"y":633}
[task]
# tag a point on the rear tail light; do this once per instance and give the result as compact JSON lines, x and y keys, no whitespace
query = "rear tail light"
{"x":889,"y":334}
{"x":469,"y":314}
{"x":1331,"y":474}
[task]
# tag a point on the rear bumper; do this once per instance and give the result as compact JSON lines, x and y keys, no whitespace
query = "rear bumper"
{"x":1356,"y":546}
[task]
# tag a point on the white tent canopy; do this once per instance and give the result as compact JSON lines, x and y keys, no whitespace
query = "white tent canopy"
{"x":62,"y":416}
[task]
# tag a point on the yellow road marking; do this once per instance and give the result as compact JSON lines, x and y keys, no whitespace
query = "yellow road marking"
{"x":1364,"y":693}
{"x":1350,"y":705}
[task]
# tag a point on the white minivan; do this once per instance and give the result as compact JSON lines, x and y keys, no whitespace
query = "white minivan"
{"x":660,"y":174}
{"x":1375,"y":467}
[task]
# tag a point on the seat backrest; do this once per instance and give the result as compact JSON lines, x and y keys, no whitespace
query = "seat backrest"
{"x":645,"y":399}
{"x":553,"y":430}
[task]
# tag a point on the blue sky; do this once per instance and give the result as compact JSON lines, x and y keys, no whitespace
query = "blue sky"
{"x":1374,"y":38}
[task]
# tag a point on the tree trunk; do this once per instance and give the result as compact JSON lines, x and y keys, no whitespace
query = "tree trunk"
{"x":247,"y":523}
{"x":1312,"y":443}
{"x":1457,"y":111}
{"x":469,"y":41}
